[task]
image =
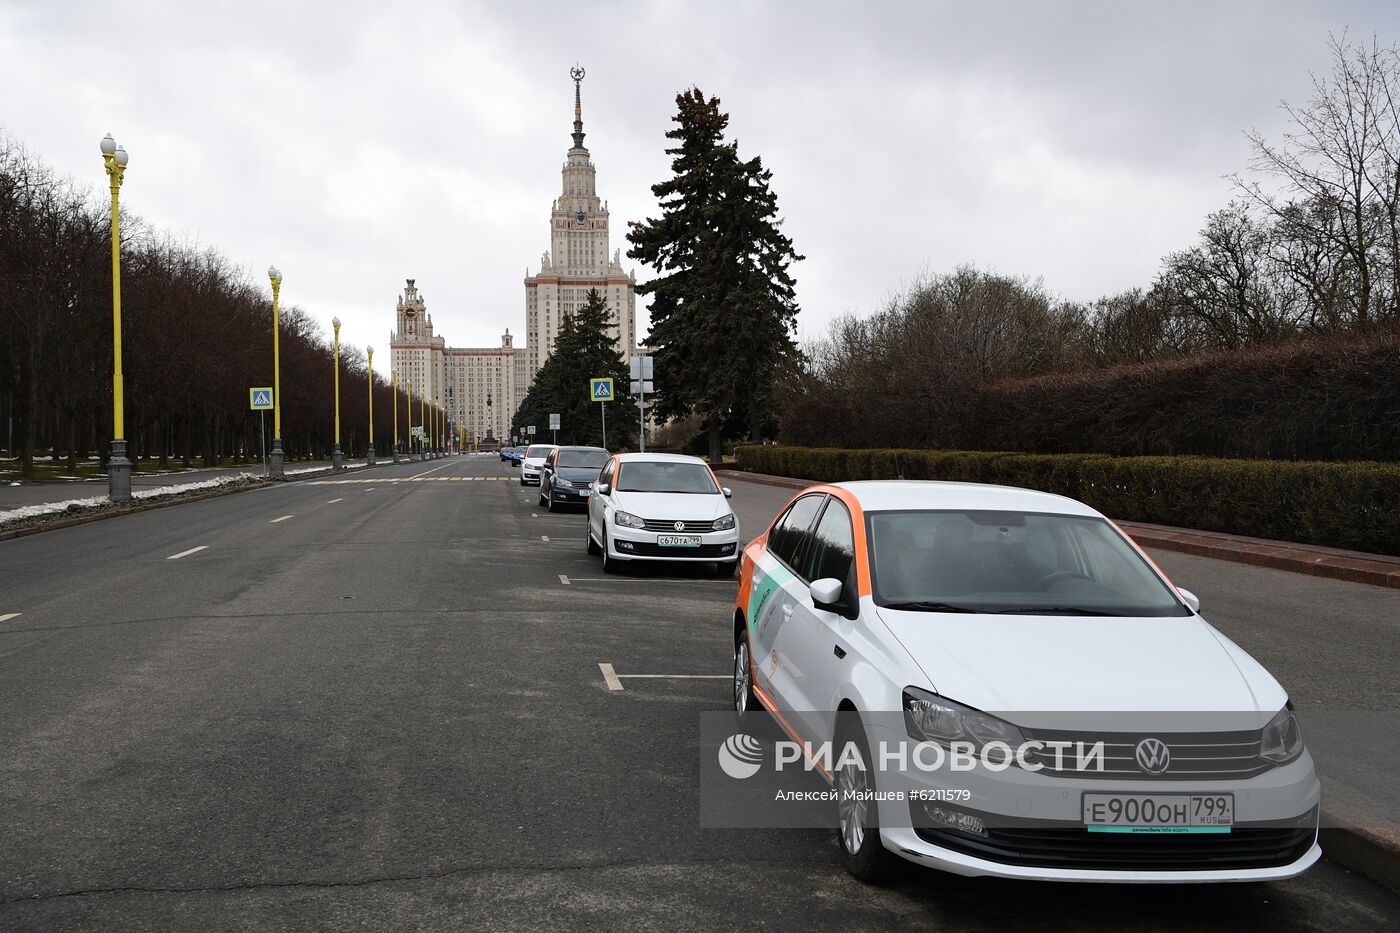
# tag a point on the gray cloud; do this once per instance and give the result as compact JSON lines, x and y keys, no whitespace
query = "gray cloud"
{"x":356,"y":144}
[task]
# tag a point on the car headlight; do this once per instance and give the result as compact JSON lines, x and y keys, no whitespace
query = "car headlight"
{"x":628,"y":520}
{"x":561,"y":481}
{"x":931,"y":718}
{"x":724,"y":522}
{"x":1282,"y":740}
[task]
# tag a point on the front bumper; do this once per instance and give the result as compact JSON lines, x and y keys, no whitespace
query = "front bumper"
{"x":1033,"y":827}
{"x":640,"y":544}
{"x":529,"y":475}
{"x":567,"y":495}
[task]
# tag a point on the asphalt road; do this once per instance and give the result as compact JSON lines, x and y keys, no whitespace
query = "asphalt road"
{"x":15,"y":493}
{"x":377,"y":705}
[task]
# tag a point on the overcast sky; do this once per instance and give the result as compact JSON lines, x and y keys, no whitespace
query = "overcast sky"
{"x":357,"y":144}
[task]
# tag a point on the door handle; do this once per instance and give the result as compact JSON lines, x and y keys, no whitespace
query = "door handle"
{"x":787,"y":610}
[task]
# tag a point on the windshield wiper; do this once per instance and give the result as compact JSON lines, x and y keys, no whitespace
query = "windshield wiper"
{"x":925,"y":606}
{"x":1055,"y":611}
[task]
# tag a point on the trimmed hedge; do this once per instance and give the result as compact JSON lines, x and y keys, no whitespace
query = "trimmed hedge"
{"x":1352,"y":505}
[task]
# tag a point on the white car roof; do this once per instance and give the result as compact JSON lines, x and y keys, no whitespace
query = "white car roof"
{"x":658,"y":458}
{"x":888,"y":495}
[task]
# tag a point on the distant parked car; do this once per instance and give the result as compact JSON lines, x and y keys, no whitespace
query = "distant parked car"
{"x":532,"y":461}
{"x":567,"y":475}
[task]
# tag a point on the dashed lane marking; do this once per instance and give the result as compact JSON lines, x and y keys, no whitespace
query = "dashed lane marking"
{"x":282,"y":519}
{"x":544,"y":538}
{"x":193,"y":550}
{"x":564,"y":579}
{"x":10,"y":615}
{"x":610,"y":677}
{"x":334,"y":501}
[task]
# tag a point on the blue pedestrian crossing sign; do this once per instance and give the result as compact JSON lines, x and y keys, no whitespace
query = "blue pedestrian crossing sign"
{"x":601,"y":390}
{"x":260,"y":398}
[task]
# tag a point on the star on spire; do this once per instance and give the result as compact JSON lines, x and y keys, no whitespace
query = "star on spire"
{"x":577,"y":74}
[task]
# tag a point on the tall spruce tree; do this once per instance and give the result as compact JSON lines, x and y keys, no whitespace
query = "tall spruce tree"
{"x":583,"y":350}
{"x":723,"y":307}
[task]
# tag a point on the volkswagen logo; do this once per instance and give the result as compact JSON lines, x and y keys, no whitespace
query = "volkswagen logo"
{"x":1153,"y":756}
{"x":679,"y":526}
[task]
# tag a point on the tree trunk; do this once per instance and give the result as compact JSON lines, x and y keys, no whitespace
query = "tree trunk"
{"x":716,"y":450}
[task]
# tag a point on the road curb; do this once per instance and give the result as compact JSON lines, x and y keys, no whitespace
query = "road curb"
{"x":1363,"y":851}
{"x":102,"y":512}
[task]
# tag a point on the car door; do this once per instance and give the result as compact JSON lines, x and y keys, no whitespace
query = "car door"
{"x":812,"y":637}
{"x":773,"y":597}
{"x":547,"y":471}
{"x":596,"y":503}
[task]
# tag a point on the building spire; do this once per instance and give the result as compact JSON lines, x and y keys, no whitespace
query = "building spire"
{"x":577,"y":74}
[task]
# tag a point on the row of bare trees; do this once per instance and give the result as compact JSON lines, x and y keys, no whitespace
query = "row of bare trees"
{"x":196,"y":334}
{"x":1309,"y":249}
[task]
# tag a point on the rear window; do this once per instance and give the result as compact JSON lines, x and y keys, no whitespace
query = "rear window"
{"x":539,"y":450}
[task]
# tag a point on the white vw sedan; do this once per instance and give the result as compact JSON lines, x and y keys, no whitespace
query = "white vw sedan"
{"x":531,"y":462}
{"x":665,"y":507}
{"x":1011,"y":687}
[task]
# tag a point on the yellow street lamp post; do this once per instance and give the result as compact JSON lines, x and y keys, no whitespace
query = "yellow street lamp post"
{"x":369,"y":365}
{"x":336,"y":462}
{"x":422,"y":423}
{"x":118,"y":467}
{"x":396,"y":415}
{"x":274,"y":468}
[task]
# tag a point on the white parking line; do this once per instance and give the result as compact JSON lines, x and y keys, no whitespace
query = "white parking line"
{"x":534,"y":514}
{"x":282,"y":519}
{"x":334,"y":501}
{"x":193,"y":550}
{"x":614,"y":680}
{"x":564,"y":579}
{"x":10,"y":615}
{"x":544,"y":538}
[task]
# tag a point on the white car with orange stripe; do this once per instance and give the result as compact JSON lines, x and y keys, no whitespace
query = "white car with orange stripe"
{"x":877,"y":616}
{"x":661,"y":507}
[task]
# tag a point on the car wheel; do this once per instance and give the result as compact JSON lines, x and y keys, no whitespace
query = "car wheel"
{"x":726,"y":568}
{"x":745,"y":702}
{"x":543,"y":500}
{"x":522,"y":481}
{"x":610,"y":563}
{"x":549,"y":502}
{"x":588,"y":539}
{"x":857,"y":813}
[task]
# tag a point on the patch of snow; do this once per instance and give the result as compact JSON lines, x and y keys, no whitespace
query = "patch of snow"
{"x":52,"y":508}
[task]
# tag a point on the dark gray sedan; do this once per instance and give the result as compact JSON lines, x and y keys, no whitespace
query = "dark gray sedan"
{"x":567,"y":475}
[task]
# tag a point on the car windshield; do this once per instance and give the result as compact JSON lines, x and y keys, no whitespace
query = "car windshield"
{"x":665,"y":476}
{"x":582,"y":459}
{"x":538,"y":451}
{"x":1011,"y":562}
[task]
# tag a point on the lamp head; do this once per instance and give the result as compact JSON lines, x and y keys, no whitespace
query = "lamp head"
{"x":109,"y":145}
{"x":369,"y":350}
{"x":274,"y":273}
{"x":121,"y":157}
{"x":335,"y":322}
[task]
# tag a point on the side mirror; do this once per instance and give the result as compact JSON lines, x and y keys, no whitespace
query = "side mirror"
{"x":1191,"y":598}
{"x":603,"y":489}
{"x":728,"y":493}
{"x":826,"y":594}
